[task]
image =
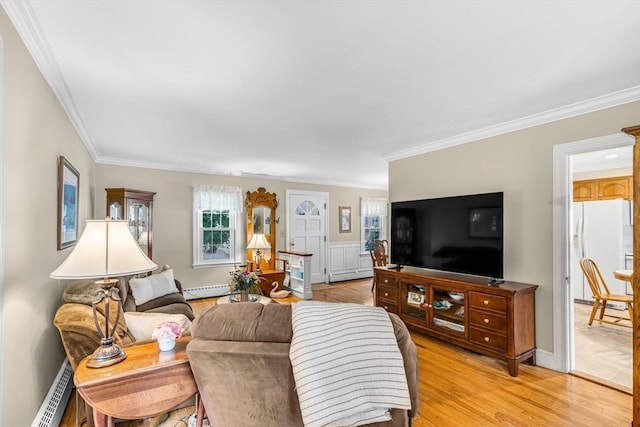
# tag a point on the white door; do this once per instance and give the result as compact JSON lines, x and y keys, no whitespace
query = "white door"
{"x":306,"y":228}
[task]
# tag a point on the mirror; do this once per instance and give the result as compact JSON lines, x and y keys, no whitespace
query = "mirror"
{"x":261,"y":213}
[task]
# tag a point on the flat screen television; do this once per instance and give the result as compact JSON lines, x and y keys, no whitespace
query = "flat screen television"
{"x":461,"y":234}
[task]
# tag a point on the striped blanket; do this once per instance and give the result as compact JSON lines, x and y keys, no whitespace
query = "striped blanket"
{"x":346,"y":364}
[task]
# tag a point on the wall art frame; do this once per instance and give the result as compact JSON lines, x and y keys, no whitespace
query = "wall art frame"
{"x":345,"y":219}
{"x":68,"y":197}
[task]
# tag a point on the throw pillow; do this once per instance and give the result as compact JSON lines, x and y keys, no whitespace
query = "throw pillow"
{"x":141,"y":325}
{"x":152,"y":287}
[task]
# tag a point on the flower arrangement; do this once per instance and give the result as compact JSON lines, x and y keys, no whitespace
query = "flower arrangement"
{"x":166,"y":330}
{"x":242,"y":281}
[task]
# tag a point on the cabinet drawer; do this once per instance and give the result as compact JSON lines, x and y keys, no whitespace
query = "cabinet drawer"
{"x":391,"y":308}
{"x":491,"y":302}
{"x":488,"y":320}
{"x":488,"y":339}
{"x":385,"y":279}
{"x":387,"y":293}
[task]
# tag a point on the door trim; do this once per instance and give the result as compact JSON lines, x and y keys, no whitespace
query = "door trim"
{"x":562,"y":358}
{"x":325,"y":195}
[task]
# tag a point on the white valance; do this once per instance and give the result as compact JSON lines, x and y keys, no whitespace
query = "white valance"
{"x":217,"y":197}
{"x":373,"y":206}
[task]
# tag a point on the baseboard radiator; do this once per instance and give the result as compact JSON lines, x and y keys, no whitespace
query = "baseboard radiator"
{"x":208,"y":291}
{"x":55,"y":403}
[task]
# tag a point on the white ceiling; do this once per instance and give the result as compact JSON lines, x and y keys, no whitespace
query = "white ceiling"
{"x":322,"y":91}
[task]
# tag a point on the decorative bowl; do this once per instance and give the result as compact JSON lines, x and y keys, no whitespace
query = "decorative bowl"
{"x":456,"y":296}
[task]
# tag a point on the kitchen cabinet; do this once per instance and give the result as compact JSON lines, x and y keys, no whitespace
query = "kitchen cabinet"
{"x":497,"y":320}
{"x":620,"y":187}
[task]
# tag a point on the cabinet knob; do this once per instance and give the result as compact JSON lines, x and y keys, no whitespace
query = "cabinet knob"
{"x":386,"y":294}
{"x":485,"y":302}
{"x":486,"y":320}
{"x":386,"y":307}
{"x":386,"y":280}
{"x":486,"y":339}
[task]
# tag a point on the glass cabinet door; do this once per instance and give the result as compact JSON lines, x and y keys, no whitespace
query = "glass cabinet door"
{"x":413,"y":301}
{"x":139,"y":224}
{"x":136,"y":207}
{"x":448,"y":309}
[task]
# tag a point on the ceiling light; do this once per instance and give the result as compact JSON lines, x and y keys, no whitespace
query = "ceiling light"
{"x":611,"y":156}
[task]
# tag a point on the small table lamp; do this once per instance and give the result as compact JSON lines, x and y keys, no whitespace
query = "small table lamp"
{"x":105,"y":250}
{"x":258,"y":242}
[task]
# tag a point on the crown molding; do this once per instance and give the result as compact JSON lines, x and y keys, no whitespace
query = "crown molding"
{"x":613,"y":99}
{"x":112,"y":161}
{"x":26,"y":24}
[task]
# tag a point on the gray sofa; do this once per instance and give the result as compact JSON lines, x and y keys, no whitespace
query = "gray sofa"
{"x":239,"y":355}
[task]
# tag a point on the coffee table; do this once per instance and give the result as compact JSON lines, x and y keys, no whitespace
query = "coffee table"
{"x":225,"y":300}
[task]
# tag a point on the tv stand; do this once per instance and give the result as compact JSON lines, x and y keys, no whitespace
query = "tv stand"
{"x":496,"y":320}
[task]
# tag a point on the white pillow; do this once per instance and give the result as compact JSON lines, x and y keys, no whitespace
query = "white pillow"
{"x":151,"y":287}
{"x":141,"y":325}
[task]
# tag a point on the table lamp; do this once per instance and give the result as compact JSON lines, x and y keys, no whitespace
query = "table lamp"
{"x":258,"y":242}
{"x":106,"y":250}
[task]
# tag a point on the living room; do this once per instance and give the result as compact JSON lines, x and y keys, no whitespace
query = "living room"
{"x":37,"y":130}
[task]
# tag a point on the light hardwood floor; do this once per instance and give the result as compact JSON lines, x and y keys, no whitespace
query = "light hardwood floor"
{"x":462,"y":388}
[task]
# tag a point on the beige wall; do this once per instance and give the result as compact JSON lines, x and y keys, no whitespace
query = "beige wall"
{"x":35,"y":131}
{"x":520,"y":165}
{"x":173,"y":215}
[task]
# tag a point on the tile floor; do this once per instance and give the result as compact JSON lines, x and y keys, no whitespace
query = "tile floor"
{"x":603,"y":351}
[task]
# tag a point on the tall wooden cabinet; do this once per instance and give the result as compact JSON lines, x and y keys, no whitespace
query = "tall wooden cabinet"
{"x":497,"y":320}
{"x":136,"y":207}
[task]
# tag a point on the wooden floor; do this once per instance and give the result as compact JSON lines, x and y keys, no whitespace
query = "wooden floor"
{"x":461,"y":388}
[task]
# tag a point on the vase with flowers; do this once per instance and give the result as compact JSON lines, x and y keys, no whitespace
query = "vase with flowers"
{"x":244,"y":286}
{"x":166,"y":333}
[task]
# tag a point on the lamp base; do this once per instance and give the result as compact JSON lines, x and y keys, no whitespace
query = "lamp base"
{"x":106,"y":355}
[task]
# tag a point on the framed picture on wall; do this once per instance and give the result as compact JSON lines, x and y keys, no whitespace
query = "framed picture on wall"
{"x":345,"y":219}
{"x":68,"y":193}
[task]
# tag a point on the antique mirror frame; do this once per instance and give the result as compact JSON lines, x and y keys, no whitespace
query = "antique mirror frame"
{"x":261,"y":218}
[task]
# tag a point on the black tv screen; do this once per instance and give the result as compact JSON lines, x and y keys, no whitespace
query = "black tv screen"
{"x":461,"y":234}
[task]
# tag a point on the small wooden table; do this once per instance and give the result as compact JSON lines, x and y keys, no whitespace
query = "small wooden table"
{"x":147,"y":383}
{"x":627,"y":276}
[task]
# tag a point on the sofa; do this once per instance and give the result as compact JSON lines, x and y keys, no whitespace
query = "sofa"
{"x":239,"y":355}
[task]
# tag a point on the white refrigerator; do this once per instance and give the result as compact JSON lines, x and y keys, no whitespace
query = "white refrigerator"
{"x":601,"y":231}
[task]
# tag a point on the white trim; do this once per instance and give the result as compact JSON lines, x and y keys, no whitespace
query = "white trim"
{"x":624,"y":96}
{"x":561,"y":357}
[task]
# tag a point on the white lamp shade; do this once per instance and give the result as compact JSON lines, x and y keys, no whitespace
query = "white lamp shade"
{"x":258,"y":241}
{"x":105,"y":249}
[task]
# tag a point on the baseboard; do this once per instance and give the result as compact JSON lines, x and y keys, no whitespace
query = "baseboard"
{"x":55,"y":403}
{"x":208,"y":291}
{"x":549,"y":360}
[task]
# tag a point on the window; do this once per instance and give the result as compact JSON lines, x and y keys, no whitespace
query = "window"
{"x":372,"y":230}
{"x":373,"y":214}
{"x":217,"y":211}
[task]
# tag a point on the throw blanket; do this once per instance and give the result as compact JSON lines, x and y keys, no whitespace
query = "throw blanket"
{"x":346,"y":364}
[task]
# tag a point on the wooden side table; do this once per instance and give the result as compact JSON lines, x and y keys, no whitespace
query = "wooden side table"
{"x":147,"y":383}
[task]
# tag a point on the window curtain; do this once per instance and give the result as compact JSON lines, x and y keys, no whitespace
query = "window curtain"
{"x":217,"y":197}
{"x":373,"y":206}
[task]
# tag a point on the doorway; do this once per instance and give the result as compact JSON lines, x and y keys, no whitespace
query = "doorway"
{"x":600,"y":352}
{"x":306,"y":228}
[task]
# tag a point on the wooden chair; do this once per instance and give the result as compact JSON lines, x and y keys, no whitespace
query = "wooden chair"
{"x":379,"y":256}
{"x":602,"y":296}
